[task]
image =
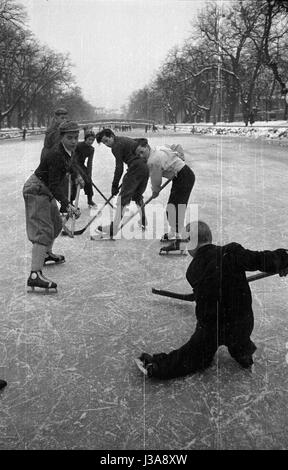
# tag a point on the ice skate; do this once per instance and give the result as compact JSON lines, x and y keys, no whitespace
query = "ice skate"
{"x":3,"y":384}
{"x":91,"y":204}
{"x":178,"y":248}
{"x":168,"y":237}
{"x":51,"y":258}
{"x":37,"y":281}
{"x":103,"y":233}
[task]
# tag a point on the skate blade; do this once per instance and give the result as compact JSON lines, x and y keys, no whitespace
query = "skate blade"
{"x":42,"y":291}
{"x":52,"y":263}
{"x":140,"y":366}
{"x":173,"y":253}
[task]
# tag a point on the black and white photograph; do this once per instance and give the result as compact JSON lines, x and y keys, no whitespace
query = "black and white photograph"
{"x":144,"y":228}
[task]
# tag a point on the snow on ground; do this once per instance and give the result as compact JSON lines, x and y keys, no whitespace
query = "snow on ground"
{"x":272,"y":130}
{"x":68,"y":358}
{"x":269,"y":130}
{"x":15,"y":132}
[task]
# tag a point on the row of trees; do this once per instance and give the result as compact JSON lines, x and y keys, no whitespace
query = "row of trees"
{"x":33,"y":78}
{"x":235,"y":60}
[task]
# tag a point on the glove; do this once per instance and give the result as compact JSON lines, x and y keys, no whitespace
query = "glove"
{"x":114,"y":191}
{"x":80,"y":180}
{"x":72,"y":211}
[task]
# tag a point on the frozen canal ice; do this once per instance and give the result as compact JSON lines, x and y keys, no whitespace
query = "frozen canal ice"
{"x":68,"y":358}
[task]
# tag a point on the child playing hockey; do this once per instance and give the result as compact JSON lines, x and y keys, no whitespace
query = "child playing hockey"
{"x":85,"y":150}
{"x":169,"y":162}
{"x":223,"y":304}
{"x":43,"y":220}
{"x":134,"y":182}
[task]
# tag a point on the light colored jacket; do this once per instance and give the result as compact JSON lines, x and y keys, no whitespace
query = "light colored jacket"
{"x":163,"y":161}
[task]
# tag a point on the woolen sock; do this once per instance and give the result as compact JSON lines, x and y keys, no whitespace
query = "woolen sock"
{"x":49,"y":248}
{"x":38,"y":256}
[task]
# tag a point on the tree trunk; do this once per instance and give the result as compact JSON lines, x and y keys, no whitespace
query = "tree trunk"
{"x":232,"y":105}
{"x":284,"y":116}
{"x":19,"y":121}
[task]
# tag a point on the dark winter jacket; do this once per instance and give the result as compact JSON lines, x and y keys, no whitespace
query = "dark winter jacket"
{"x":217,"y":276}
{"x":52,"y":138}
{"x":52,"y":171}
{"x":123,"y":149}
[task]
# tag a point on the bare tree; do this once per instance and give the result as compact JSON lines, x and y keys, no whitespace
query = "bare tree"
{"x":235,"y":54}
{"x":12,"y":13}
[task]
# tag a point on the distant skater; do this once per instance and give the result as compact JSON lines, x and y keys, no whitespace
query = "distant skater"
{"x":134,"y":181}
{"x":40,"y":192}
{"x":223,"y":304}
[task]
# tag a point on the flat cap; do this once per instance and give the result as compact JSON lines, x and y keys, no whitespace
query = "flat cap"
{"x":68,"y":126}
{"x":60,"y":111}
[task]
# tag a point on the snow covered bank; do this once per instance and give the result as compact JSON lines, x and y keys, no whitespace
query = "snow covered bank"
{"x":275,"y":130}
{"x":15,"y":133}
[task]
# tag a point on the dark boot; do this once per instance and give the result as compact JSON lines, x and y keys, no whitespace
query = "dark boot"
{"x":245,"y":361}
{"x":3,"y":384}
{"x":146,"y":365}
{"x":178,"y":247}
{"x":91,"y":203}
{"x":55,"y":259}
{"x":36,"y":279}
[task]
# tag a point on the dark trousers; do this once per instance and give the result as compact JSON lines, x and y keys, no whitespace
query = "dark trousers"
{"x":133,"y":187}
{"x":182,"y":186}
{"x":197,"y":354}
{"x":134,"y":182}
{"x":88,"y":190}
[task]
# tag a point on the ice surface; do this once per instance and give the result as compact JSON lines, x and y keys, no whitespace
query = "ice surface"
{"x":69,"y":358}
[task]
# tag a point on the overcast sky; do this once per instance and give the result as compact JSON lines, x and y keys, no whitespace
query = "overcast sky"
{"x":115,"y":45}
